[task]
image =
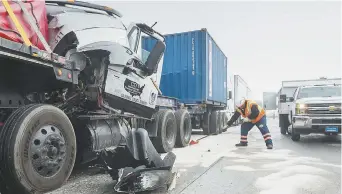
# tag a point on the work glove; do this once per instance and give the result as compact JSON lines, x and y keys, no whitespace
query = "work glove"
{"x":246,"y":120}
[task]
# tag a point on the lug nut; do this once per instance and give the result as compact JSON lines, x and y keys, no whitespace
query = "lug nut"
{"x":61,"y":144}
{"x":48,"y":141}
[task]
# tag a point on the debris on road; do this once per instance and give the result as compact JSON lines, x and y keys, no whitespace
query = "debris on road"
{"x":146,"y":179}
{"x":193,"y":142}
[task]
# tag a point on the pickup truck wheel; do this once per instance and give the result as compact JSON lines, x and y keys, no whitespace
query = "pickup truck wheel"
{"x":38,"y":149}
{"x":295,"y":136}
{"x":167,"y":131}
{"x":206,"y":123}
{"x":184,"y":128}
{"x":215,"y":123}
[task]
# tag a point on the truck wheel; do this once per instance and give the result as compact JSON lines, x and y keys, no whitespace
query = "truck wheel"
{"x":206,"y":123}
{"x":220,"y":119}
{"x":215,"y":123}
{"x":184,"y":128}
{"x":38,"y":149}
{"x":222,"y":122}
{"x":295,"y":136}
{"x":283,"y":123}
{"x":167,"y":131}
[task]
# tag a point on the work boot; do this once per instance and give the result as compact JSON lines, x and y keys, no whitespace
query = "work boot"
{"x":241,"y":144}
{"x":269,"y":146}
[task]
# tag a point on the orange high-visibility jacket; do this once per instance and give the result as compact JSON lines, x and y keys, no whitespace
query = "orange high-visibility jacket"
{"x":246,"y":110}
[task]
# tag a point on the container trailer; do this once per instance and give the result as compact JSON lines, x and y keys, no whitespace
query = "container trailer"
{"x":195,"y":72}
{"x":241,"y":91}
{"x":269,"y":100}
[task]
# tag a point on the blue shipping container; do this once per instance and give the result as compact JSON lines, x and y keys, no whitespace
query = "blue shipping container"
{"x":194,"y":68}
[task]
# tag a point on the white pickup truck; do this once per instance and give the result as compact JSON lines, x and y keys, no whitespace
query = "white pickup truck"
{"x":315,"y":109}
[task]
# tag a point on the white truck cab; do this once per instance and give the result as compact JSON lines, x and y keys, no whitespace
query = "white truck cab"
{"x":315,"y":109}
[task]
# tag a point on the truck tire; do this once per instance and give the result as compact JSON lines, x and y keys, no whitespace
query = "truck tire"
{"x":283,"y":126}
{"x":206,"y":123}
{"x":38,"y":150}
{"x":215,"y":123}
{"x":294,"y":136}
{"x":167,"y":131}
{"x":184,"y":128}
{"x":222,"y":121}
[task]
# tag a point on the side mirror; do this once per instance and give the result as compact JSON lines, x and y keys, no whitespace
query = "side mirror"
{"x":291,"y":99}
{"x":282,"y":98}
{"x":154,"y":57}
{"x":230,"y":95}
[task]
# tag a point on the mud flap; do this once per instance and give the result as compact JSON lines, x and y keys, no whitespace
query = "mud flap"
{"x":149,"y":171}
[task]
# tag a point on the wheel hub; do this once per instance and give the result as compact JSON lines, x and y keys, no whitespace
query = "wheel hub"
{"x":48,"y":150}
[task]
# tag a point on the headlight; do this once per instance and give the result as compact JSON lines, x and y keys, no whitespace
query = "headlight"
{"x":301,"y":108}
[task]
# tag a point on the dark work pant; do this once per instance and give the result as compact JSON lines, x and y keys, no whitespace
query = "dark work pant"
{"x":262,"y":126}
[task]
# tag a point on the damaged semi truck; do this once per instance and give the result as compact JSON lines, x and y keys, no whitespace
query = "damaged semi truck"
{"x":72,"y":90}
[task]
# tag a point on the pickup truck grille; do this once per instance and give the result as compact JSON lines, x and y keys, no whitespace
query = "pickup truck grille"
{"x":326,"y":121}
{"x":324,"y":108}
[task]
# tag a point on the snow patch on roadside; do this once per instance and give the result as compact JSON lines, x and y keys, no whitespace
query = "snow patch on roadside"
{"x":289,"y":162}
{"x":239,"y":168}
{"x":292,"y":180}
{"x":241,"y":160}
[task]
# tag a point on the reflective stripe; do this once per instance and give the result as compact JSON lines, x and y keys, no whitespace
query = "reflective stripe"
{"x":266,"y":134}
{"x":243,"y":140}
{"x":267,"y":138}
{"x":242,"y":136}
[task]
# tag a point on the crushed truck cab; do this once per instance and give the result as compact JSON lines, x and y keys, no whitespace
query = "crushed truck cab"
{"x":86,"y":96}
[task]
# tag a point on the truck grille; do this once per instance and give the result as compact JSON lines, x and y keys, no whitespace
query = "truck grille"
{"x":324,"y":108}
{"x":326,"y":121}
{"x":324,"y":105}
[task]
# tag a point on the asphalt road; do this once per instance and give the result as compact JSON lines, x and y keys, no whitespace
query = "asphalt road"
{"x":311,"y":166}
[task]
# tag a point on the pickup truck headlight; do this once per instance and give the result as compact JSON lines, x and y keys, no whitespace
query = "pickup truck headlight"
{"x":301,"y":108}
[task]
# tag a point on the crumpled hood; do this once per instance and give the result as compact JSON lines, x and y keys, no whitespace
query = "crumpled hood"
{"x":336,"y":99}
{"x":118,"y":54}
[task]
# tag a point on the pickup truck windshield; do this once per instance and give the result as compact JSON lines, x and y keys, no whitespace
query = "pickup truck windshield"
{"x":325,"y":91}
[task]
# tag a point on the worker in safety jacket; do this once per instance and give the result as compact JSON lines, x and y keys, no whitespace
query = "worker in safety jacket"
{"x":254,"y":115}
